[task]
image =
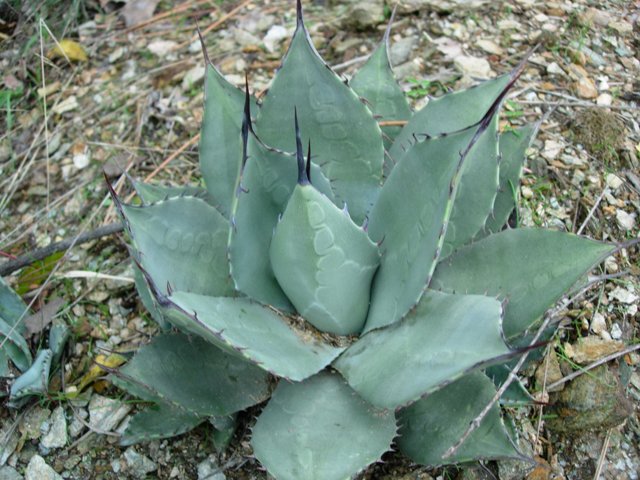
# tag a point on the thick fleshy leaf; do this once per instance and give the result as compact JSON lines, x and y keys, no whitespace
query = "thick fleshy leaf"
{"x":258,"y":333}
{"x":268,"y":180}
{"x":223,"y":430}
{"x":148,"y":300}
{"x":324,"y":262}
{"x":516,"y":393}
{"x":220,"y":140}
{"x":191,"y":374}
{"x":376,"y":83}
{"x":14,"y":346}
{"x":513,"y":146}
{"x":320,"y":430}
{"x":159,"y":421}
{"x":449,"y":113}
{"x":182,"y":243}
{"x":424,"y":186}
{"x":441,"y":339}
{"x":12,"y":308}
{"x":477,"y":191}
{"x":152,"y":193}
{"x":34,"y":381}
{"x":346,"y":138}
{"x":529,"y":268}
{"x":429,"y":427}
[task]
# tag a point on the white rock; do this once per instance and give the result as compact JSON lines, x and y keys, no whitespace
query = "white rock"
{"x":39,"y":470}
{"x":613,"y":181}
{"x":598,"y":323}
{"x":611,"y":265}
{"x":626,"y":221}
{"x":474,"y":67}
{"x":275,"y":36}
{"x":632,"y":310}
{"x":56,"y":437}
{"x":604,"y":99}
{"x":490,"y":46}
{"x":554,"y":69}
{"x":138,"y":465}
{"x":161,"y":48}
{"x":68,"y":104}
{"x":616,"y":332}
{"x":106,"y":413}
{"x":526,"y":192}
{"x":551,"y":149}
{"x":208,"y":469}
{"x":623,"y":295}
{"x":193,"y":76}
{"x":81,"y":160}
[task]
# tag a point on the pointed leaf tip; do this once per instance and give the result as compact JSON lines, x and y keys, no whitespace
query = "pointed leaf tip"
{"x":205,"y":54}
{"x":299,"y":20}
{"x":303,"y":177}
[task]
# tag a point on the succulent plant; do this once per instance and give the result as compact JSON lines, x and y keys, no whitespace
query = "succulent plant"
{"x":350,"y":262}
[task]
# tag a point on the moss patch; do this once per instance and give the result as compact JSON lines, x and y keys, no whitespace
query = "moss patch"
{"x":601,"y":133}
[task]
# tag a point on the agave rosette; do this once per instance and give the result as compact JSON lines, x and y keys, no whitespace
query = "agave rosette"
{"x":366,"y":268}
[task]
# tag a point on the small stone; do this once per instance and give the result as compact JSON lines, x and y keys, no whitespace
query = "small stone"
{"x":10,"y":438}
{"x":161,"y":48}
{"x":193,"y":76}
{"x":33,"y":422}
{"x":549,"y":372}
{"x":526,"y":192}
{"x":116,"y":55}
{"x":591,"y":348}
{"x":274,"y":37}
{"x":68,"y":104}
{"x":106,"y":413}
{"x":401,"y":50}
{"x":208,"y":469}
{"x":622,"y":27}
{"x":604,"y":99}
{"x":626,"y":221}
{"x":595,"y":401}
{"x":613,"y":181}
{"x":585,"y":88}
{"x":623,"y":295}
{"x":611,"y":265}
{"x":138,"y":465}
{"x":598,"y":323}
{"x":473,"y":67}
{"x":9,"y":473}
{"x":490,"y":46}
{"x":554,"y":69}
{"x":39,"y":470}
{"x":56,"y":437}
{"x":363,"y":14}
{"x":551,"y":149}
{"x":616,"y":332}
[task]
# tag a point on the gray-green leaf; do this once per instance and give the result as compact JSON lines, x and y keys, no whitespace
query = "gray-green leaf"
{"x":442,"y":338}
{"x":433,"y":424}
{"x":182,"y":242}
{"x":346,"y":138}
{"x":259,"y":333}
{"x":320,"y":430}
{"x":193,"y":375}
{"x":324,"y":262}
{"x":268,"y":179}
{"x":528,"y":268}
{"x":376,"y":83}
{"x":220,"y":141}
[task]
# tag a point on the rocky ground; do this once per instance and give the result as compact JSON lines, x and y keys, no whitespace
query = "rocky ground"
{"x":124,"y":91}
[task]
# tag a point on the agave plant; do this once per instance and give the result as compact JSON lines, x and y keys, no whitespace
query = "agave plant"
{"x":363,"y":289}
